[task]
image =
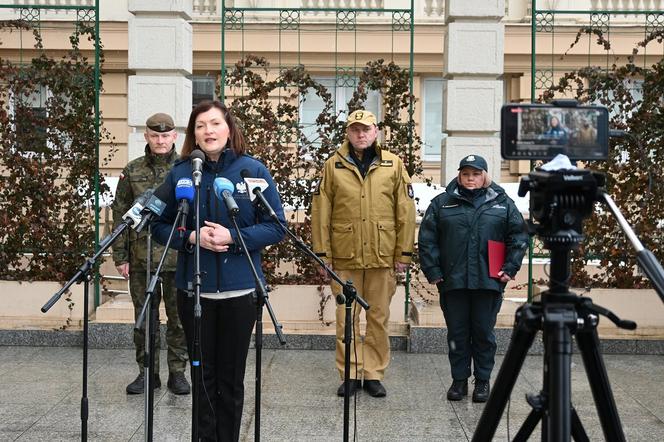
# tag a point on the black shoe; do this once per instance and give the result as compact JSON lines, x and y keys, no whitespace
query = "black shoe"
{"x":374,"y":388}
{"x":178,"y":384}
{"x":457,"y":390}
{"x":481,"y":391}
{"x":138,"y":385}
{"x":355,"y":384}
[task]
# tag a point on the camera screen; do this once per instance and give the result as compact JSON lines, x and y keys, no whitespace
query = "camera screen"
{"x":542,"y":132}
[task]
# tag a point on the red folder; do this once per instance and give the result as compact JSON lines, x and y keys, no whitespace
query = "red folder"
{"x":496,"y":251}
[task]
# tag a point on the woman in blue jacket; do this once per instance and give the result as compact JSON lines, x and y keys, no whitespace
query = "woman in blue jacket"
{"x":453,"y":247}
{"x":227,"y":286}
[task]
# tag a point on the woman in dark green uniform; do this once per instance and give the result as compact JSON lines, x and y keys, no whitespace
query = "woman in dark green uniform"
{"x":453,"y":246}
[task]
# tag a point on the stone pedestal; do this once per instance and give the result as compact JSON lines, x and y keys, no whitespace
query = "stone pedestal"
{"x":473,"y":93}
{"x":160,"y":53}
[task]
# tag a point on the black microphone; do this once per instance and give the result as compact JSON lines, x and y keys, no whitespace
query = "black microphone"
{"x":255,"y":187}
{"x":154,"y":206}
{"x":223,"y":188}
{"x":197,"y":159}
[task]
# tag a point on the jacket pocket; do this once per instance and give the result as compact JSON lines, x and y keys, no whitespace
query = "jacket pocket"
{"x":387,"y":238}
{"x":493,"y":224}
{"x":342,"y":241}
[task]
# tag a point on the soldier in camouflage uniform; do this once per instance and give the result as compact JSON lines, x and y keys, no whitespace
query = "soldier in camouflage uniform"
{"x":130,"y":252}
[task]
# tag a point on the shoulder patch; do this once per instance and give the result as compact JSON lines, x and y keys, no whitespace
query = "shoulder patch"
{"x":411,"y":193}
{"x":122,"y":176}
{"x":386,"y":163}
{"x":338,"y":165}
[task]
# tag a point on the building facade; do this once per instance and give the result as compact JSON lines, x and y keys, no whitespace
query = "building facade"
{"x":165,"y":56}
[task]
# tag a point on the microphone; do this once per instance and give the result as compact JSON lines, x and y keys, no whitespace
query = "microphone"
{"x":134,"y":215}
{"x":184,"y":193}
{"x":223,"y":188}
{"x":155,"y":205}
{"x":197,"y":158}
{"x":256,"y":186}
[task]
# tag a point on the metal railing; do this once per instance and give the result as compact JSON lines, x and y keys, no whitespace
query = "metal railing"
{"x":211,"y":9}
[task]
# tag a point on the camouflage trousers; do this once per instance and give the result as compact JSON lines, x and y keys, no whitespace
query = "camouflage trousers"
{"x":175,"y":339}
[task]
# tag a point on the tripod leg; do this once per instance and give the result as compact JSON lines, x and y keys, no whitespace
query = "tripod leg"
{"x":528,"y":426}
{"x":588,"y":343}
{"x":522,"y":338}
{"x":558,"y":338}
{"x":578,"y":432}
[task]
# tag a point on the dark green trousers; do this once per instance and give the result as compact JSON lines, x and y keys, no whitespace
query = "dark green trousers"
{"x":471,"y":317}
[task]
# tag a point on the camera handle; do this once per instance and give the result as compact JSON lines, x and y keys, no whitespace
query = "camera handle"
{"x":646,"y":259}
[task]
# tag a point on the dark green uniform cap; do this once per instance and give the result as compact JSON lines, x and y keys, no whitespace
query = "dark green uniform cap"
{"x":160,"y":123}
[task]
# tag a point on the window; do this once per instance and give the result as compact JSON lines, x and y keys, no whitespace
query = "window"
{"x":634,"y":88}
{"x":312,"y":105}
{"x":432,"y":118}
{"x":29,"y":111}
{"x":202,"y":87}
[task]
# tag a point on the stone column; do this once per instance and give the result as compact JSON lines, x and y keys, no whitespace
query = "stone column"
{"x":160,"y":54}
{"x":473,"y":92}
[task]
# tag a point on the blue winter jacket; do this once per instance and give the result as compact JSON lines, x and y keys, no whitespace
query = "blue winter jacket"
{"x":222,"y":271}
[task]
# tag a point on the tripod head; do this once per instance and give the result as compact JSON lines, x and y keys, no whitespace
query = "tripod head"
{"x":559,"y":202}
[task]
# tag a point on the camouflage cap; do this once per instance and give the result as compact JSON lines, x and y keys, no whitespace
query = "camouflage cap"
{"x":160,"y":123}
{"x":361,"y":116}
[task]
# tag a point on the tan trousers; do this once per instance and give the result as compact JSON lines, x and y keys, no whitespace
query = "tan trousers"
{"x":376,"y":286}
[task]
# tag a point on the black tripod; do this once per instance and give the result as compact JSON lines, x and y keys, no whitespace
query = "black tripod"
{"x":348,"y":296}
{"x":261,"y":301}
{"x":560,"y":201}
{"x":84,"y":275}
{"x":150,"y":315}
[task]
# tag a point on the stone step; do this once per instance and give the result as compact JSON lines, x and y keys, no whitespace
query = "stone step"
{"x":642,"y":306}
{"x":295,"y":307}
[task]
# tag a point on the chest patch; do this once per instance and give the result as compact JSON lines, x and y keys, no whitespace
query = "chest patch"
{"x":498,"y":206}
{"x":241,"y":187}
{"x":386,"y":163}
{"x":338,"y":165}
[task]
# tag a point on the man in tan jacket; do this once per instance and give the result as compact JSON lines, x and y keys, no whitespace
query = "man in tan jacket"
{"x":363,"y":225}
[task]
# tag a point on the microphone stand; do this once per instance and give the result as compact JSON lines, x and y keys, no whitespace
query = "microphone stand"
{"x":349,"y":294}
{"x":261,"y":300}
{"x":150,"y":313}
{"x":196,"y":369}
{"x":83,"y":275}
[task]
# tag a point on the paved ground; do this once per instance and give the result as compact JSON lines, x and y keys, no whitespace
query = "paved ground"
{"x":41,"y":390}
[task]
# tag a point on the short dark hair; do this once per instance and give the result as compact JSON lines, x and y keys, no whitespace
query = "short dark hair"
{"x":235,"y":137}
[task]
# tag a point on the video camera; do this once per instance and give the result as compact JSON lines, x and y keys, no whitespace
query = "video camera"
{"x":560,"y":198}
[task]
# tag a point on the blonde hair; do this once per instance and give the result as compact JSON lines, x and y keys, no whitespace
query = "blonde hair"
{"x":485,"y":176}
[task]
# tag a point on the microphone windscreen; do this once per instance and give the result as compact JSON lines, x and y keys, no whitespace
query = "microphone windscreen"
{"x":197,"y":154}
{"x":221,"y":184}
{"x":163,"y":191}
{"x":184,"y":190}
